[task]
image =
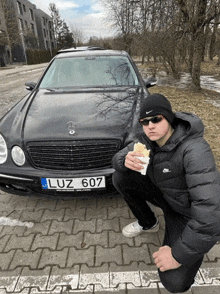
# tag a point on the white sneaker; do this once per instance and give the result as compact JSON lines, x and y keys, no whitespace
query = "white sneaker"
{"x":134,"y":229}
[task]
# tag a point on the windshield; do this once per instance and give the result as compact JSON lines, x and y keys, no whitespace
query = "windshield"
{"x":90,"y":72}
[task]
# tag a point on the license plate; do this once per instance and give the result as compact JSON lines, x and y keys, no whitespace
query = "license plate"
{"x":73,"y":184}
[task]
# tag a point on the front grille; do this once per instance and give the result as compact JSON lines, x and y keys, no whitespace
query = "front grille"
{"x":73,"y":155}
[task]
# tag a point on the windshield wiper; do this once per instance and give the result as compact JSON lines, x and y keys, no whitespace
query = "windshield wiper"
{"x":51,"y":90}
{"x":56,"y":90}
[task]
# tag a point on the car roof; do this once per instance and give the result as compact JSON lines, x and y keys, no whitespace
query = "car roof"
{"x":91,"y":53}
{"x":81,"y":48}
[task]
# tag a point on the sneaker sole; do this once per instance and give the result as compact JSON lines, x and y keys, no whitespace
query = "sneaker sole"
{"x":152,"y":230}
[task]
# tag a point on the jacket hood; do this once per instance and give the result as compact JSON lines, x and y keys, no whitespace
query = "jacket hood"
{"x":186,"y":125}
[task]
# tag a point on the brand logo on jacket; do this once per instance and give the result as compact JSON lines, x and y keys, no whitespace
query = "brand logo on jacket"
{"x":71,"y":127}
{"x":166,"y":170}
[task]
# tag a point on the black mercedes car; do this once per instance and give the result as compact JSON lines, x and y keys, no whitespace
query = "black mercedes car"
{"x":60,"y":138}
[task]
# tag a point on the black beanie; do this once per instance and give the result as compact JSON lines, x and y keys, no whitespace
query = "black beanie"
{"x":157,"y":104}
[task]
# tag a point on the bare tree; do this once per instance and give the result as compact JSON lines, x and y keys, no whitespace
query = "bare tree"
{"x":173,"y":30}
{"x":57,"y":21}
{"x":122,"y":14}
{"x":31,"y":41}
{"x":218,"y":46}
{"x":196,"y":15}
{"x":214,"y":32}
{"x":159,"y":31}
{"x":10,"y":37}
{"x":77,"y":35}
{"x":138,"y":21}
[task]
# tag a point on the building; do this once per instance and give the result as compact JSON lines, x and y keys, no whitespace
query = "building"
{"x":2,"y":19}
{"x":4,"y":54}
{"x":27,"y":29}
{"x":34,"y":28}
{"x":45,"y":30}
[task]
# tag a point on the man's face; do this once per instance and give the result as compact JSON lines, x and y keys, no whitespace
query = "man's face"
{"x":157,"y":129}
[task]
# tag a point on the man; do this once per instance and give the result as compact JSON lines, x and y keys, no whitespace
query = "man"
{"x":182,"y":180}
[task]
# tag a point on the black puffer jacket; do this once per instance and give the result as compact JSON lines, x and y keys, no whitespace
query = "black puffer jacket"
{"x":184,"y":169}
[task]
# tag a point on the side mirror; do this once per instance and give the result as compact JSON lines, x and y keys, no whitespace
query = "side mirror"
{"x":30,"y":85}
{"x":150,"y":82}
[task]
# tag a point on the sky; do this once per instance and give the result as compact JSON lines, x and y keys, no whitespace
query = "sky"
{"x":87,"y":15}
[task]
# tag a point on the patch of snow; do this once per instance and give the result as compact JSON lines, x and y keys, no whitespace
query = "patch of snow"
{"x":6,"y":221}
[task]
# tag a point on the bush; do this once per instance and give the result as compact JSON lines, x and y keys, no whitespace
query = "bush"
{"x":39,"y":56}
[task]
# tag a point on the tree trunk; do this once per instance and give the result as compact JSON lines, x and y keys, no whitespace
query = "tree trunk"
{"x":213,"y":39}
{"x":212,"y":46}
{"x":191,"y":53}
{"x":197,"y":60}
{"x":206,"y":32}
{"x":10,"y":52}
{"x":143,"y":57}
{"x":218,"y":62}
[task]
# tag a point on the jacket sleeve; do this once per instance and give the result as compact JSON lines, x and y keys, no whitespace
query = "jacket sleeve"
{"x":203,"y":181}
{"x":119,"y":158}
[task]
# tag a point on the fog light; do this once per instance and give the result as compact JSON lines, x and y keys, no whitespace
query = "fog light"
{"x":3,"y":150}
{"x":18,"y":155}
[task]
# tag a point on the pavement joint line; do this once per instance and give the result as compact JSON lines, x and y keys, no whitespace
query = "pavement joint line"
{"x":108,"y":281}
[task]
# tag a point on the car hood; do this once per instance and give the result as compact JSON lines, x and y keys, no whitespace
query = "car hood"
{"x":79,"y":115}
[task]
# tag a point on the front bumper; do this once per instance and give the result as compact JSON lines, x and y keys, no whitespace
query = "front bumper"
{"x":29,"y":183}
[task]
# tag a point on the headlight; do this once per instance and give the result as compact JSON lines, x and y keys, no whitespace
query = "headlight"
{"x":3,"y":150}
{"x":18,"y":155}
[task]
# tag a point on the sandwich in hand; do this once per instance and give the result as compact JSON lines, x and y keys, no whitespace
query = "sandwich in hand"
{"x":139,"y":147}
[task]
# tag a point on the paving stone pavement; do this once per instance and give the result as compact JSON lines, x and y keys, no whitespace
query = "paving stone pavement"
{"x":76,"y":246}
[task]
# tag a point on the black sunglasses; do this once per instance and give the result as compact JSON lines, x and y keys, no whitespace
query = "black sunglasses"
{"x":153,"y":120}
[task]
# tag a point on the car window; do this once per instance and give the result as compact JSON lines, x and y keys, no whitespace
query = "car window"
{"x":90,"y":72}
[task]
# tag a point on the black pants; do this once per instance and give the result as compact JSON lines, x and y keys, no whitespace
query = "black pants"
{"x":136,"y":190}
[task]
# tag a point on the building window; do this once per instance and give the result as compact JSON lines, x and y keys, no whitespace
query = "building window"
{"x":31,"y":14}
{"x":44,"y":21}
{"x":24,"y":8}
{"x":32,"y":28}
{"x":19,"y":7}
{"x":21,"y":24}
{"x":45,"y":33}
